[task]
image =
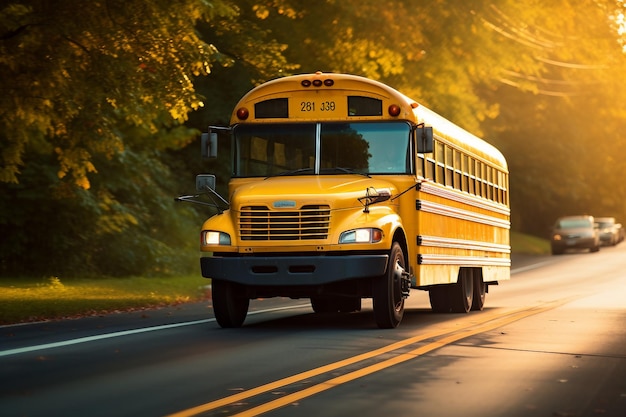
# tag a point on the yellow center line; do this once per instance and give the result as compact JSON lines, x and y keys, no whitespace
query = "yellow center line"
{"x":486,"y":322}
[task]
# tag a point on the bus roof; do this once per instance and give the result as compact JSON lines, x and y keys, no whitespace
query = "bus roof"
{"x":302,"y":85}
{"x":460,"y":137}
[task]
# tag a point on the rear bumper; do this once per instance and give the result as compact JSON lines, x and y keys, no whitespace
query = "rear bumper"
{"x":292,"y":270}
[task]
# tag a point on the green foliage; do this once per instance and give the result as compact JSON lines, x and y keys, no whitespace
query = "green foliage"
{"x":92,"y":107}
{"x":126,"y":223}
{"x":71,"y":74}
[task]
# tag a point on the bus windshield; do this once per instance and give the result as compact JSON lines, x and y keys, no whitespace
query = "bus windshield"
{"x":321,"y":148}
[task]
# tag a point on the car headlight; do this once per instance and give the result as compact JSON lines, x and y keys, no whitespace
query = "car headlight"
{"x":210,"y":237}
{"x":368,"y":235}
{"x":556,"y":237}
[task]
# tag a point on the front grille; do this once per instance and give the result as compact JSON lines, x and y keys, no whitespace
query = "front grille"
{"x":261,"y":223}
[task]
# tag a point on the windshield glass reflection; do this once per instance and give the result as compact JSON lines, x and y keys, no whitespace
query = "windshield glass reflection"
{"x":290,"y":149}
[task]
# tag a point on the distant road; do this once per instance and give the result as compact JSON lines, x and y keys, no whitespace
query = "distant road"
{"x":550,"y":342}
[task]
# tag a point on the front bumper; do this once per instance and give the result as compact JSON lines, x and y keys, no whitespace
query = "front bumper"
{"x":292,"y":270}
{"x":575,"y":243}
{"x":607,"y":238}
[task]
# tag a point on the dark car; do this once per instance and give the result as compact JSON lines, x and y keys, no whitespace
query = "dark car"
{"x":609,"y":232}
{"x":575,"y":232}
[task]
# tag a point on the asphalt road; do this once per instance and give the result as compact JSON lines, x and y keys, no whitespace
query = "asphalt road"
{"x":550,"y":342}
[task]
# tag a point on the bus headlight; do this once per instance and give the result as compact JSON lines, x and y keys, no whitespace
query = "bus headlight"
{"x":210,"y":237}
{"x":369,"y":235}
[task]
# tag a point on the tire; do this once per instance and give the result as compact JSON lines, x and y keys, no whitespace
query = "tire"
{"x":387,"y":291}
{"x":230,"y":305}
{"x":480,"y":292}
{"x":462,"y":293}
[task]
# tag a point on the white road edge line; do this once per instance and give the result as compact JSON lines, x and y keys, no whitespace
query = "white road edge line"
{"x":125,"y":333}
{"x":529,"y":267}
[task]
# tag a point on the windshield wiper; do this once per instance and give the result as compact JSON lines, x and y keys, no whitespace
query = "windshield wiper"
{"x":303,"y":171}
{"x":292,"y":172}
{"x":344,"y":171}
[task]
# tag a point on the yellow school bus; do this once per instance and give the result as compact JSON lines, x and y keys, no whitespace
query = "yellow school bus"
{"x":342,"y":188}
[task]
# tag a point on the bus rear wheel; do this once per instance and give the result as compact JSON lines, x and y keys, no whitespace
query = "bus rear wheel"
{"x":480,"y":293}
{"x":230,"y":305}
{"x":462,"y":295}
{"x":387,"y":295}
{"x":458,"y":297}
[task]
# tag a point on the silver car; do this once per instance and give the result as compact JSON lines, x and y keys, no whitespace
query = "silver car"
{"x":609,"y":233}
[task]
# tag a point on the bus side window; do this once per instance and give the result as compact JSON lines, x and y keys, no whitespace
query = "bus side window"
{"x":479,"y":177}
{"x":420,"y":169}
{"x":465,"y":173}
{"x":490,"y":194}
{"x":471,"y":174}
{"x":449,"y":167}
{"x":458,"y":174}
{"x":500,"y":187}
{"x":430,"y":169}
{"x":441,"y":162}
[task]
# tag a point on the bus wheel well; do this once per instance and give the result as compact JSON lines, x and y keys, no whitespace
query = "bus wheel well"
{"x":399,"y":237}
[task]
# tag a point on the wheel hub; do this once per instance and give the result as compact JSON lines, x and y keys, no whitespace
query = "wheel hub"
{"x":402,"y":276}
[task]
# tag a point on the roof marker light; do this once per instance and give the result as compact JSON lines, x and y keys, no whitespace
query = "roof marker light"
{"x":328,"y":82}
{"x":242,"y":113}
{"x":394,"y":110}
{"x":305,"y":83}
{"x":317,"y":83}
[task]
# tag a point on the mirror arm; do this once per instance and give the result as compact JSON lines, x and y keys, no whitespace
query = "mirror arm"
{"x":192,"y":199}
{"x":213,"y":192}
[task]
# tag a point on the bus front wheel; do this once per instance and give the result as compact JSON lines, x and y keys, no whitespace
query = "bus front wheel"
{"x":230,"y":305}
{"x":387,"y":297}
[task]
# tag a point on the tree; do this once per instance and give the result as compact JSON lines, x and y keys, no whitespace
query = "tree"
{"x":93,"y":102}
{"x":69,"y":78}
{"x":560,"y":128}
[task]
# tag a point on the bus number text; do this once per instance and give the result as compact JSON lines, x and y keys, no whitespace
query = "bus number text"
{"x":308,"y":106}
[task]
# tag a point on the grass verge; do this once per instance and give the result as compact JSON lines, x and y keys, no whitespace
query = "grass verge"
{"x":529,"y":245}
{"x":28,"y":299}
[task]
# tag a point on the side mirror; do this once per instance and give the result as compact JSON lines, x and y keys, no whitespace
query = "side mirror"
{"x":424,"y":137}
{"x":208,"y":143}
{"x":373,"y":196}
{"x":204,"y":182}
